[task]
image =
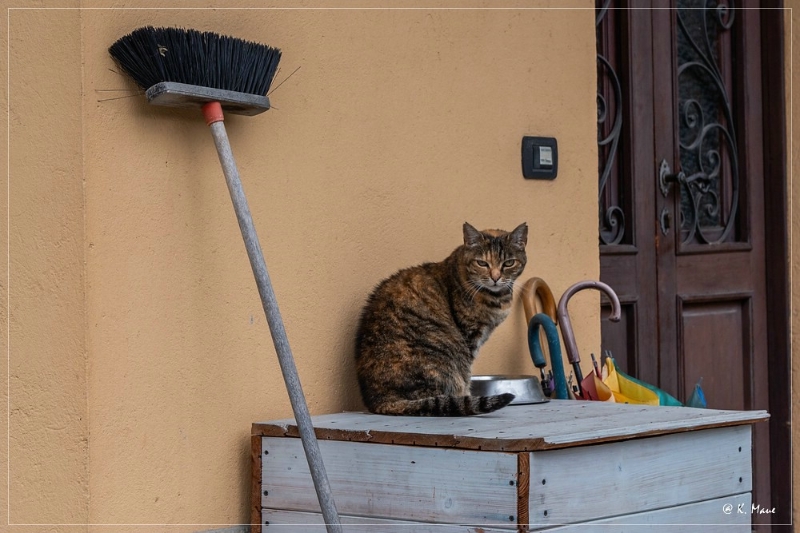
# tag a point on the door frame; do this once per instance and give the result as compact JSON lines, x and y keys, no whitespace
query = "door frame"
{"x":779,"y":358}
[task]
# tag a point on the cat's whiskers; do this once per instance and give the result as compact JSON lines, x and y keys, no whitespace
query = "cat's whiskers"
{"x":476,"y":288}
{"x":473,"y":288}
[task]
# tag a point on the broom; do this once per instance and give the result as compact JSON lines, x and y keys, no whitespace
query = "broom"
{"x":215,"y":73}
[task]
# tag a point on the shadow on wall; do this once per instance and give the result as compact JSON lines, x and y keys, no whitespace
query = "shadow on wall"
{"x":347,"y":391}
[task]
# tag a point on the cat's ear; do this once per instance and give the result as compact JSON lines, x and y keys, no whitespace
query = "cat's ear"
{"x":472,"y":237}
{"x":520,"y":235}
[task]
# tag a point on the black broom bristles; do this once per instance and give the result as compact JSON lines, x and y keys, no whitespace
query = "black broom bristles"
{"x":154,"y":55}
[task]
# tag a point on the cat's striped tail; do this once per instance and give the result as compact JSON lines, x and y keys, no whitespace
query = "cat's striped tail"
{"x":444,"y":405}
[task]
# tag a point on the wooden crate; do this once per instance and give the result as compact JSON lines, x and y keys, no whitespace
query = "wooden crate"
{"x":533,"y":467}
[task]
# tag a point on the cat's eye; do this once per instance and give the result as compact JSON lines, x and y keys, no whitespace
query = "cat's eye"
{"x":480,"y":263}
{"x":510,"y":263}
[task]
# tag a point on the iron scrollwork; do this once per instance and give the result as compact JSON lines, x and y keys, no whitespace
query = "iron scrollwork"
{"x":612,"y":217}
{"x":707,"y":135}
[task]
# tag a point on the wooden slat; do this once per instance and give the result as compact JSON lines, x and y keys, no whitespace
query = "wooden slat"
{"x":282,"y":521}
{"x":557,"y":424}
{"x":523,"y":487}
{"x":255,"y":484}
{"x":706,"y":517}
{"x":579,"y":484}
{"x":397,"y":482}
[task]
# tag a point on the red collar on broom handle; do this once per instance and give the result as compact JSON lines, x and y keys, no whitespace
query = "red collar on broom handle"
{"x":187,"y":68}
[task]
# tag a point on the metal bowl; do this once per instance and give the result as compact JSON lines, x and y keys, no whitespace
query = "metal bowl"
{"x":526,"y":389}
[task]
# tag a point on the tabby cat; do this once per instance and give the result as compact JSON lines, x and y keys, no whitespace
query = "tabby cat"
{"x":421,"y":328}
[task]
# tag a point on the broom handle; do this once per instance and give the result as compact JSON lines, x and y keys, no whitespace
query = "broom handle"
{"x":276,"y":328}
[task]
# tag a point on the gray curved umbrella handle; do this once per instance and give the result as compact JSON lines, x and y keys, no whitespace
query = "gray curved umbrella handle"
{"x":276,"y":328}
{"x":566,"y":324}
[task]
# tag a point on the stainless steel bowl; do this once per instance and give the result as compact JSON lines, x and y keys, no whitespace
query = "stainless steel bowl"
{"x":526,"y":389}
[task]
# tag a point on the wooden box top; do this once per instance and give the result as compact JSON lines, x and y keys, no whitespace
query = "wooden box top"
{"x":517,"y":428}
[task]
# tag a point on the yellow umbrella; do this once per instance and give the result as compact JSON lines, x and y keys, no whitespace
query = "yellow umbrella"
{"x":626,"y":390}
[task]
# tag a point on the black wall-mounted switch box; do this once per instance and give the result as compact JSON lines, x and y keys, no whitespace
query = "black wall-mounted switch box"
{"x":539,"y":158}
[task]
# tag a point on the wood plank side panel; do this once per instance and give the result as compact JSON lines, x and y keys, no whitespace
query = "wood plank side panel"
{"x":255,"y":484}
{"x":587,"y":483}
{"x":523,"y":489}
{"x":707,"y":516}
{"x":396,"y":482}
{"x":282,"y":521}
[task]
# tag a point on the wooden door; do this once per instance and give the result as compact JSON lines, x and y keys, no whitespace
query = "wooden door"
{"x":683,"y":212}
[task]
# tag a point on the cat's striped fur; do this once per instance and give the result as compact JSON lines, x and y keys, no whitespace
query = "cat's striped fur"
{"x":421,"y":329}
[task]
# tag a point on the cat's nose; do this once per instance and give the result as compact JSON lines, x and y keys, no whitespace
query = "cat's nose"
{"x":495,"y":274}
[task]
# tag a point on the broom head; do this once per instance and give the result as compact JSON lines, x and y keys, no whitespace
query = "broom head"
{"x":187,"y":68}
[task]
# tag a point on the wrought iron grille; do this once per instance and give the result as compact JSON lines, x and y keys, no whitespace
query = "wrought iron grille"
{"x":609,"y":127}
{"x":708,"y":152}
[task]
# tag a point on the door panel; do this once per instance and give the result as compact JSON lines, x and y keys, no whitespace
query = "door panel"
{"x":719,"y":329}
{"x":616,"y":339}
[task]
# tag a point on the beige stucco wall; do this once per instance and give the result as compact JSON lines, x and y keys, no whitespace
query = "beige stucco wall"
{"x":139,"y":352}
{"x":47,"y":427}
